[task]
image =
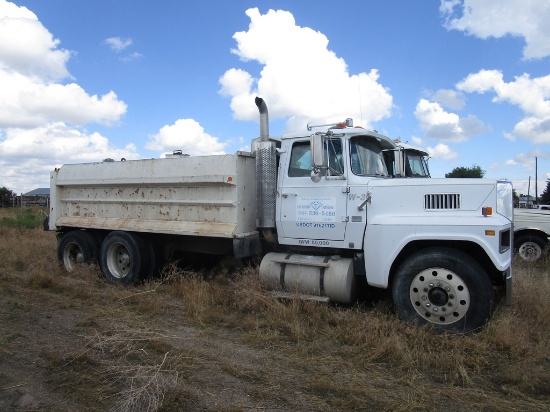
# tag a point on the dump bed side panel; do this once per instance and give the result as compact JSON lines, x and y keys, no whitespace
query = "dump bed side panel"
{"x":203,"y":196}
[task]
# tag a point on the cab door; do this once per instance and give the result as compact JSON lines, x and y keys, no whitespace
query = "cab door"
{"x":309,"y":210}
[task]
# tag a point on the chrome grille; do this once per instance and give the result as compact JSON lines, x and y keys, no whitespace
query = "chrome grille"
{"x":442,"y":201}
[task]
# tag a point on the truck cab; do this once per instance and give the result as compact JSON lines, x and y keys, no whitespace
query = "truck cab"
{"x":337,"y":198}
{"x":325,"y":213}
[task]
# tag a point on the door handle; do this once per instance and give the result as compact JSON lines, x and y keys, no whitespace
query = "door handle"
{"x":285,"y":195}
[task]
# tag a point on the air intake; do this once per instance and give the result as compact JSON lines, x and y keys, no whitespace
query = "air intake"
{"x":445,"y":201}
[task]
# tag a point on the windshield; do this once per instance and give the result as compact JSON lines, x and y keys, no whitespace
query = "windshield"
{"x":366,"y":157}
{"x":416,"y":165}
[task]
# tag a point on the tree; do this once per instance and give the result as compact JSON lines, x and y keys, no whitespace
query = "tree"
{"x":474,"y":171}
{"x":6,"y":195}
{"x":545,"y":197}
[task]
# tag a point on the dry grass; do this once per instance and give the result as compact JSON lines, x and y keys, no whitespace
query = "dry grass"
{"x":215,"y":340}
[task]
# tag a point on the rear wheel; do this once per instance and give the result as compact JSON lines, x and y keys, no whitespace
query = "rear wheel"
{"x":445,"y":288}
{"x":530,"y":247}
{"x":77,"y":247}
{"x":126,"y":258}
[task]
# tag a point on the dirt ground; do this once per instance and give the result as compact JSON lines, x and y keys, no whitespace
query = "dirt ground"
{"x":51,"y":350}
{"x":205,"y":342}
{"x":75,"y":344}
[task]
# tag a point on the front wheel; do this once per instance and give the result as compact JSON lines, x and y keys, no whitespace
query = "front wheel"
{"x":530,"y":247}
{"x":126,"y":258}
{"x":445,"y":288}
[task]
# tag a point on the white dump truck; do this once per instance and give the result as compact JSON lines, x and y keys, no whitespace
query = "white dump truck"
{"x":319,"y":208}
{"x":531,"y":232}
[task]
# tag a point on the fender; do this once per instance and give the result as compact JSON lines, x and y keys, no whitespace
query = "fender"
{"x":386,"y":237}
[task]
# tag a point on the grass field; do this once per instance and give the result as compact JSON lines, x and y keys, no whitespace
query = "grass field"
{"x":214,"y":340}
{"x":26,"y":218}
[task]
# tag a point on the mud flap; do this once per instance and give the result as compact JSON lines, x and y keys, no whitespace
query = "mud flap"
{"x":508,"y":285}
{"x":247,"y":246}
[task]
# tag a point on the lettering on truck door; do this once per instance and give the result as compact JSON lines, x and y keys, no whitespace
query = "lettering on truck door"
{"x":314,"y":210}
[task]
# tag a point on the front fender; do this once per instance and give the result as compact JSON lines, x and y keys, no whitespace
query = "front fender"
{"x":386,"y":239}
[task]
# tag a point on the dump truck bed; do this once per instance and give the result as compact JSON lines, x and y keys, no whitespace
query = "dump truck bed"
{"x":200,"y":196}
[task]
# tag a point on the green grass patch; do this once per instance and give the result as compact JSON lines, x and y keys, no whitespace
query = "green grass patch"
{"x":28,"y":218}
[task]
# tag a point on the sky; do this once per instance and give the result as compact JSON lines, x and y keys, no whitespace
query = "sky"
{"x":81,"y":81}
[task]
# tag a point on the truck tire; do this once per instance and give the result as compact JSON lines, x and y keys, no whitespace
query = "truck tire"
{"x":126,"y":258}
{"x":445,"y":288}
{"x":77,"y":247}
{"x":529,"y":247}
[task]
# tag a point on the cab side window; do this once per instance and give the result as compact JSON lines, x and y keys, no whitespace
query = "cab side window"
{"x":335,"y":158}
{"x":300,"y":160}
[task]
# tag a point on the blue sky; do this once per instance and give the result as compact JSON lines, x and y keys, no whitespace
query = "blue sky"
{"x":469,"y":80}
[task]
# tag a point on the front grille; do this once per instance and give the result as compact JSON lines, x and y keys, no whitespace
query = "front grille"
{"x":505,"y":240}
{"x":442,"y":201}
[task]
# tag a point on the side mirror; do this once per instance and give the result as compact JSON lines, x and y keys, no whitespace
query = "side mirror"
{"x":400,"y":160}
{"x":318,"y":157}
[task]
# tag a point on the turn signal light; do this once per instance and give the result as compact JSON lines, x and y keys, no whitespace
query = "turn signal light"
{"x":490,"y":233}
{"x":487,"y":211}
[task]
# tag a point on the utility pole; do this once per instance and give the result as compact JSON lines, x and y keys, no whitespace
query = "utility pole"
{"x":536,"y":182}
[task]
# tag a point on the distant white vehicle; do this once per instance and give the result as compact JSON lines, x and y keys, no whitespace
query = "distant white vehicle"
{"x":531,"y":232}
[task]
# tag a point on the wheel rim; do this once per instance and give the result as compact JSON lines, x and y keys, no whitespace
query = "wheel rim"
{"x":72,"y":256}
{"x":530,"y":251}
{"x":439,"y":296}
{"x":119,"y":261}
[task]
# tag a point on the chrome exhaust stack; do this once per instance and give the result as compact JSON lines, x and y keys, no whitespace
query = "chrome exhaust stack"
{"x":266,"y":171}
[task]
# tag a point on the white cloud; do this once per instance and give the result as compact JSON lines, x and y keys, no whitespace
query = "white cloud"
{"x":417,"y":141}
{"x":187,"y":135}
{"x":449,"y":98}
{"x":524,"y":186}
{"x":29,"y":102}
{"x":532,"y":96}
{"x":118,"y":44}
{"x":442,"y":151}
{"x":57,"y":142}
{"x":28,"y":155}
{"x":130,"y":57}
{"x":301,"y":79}
{"x":527,"y":160}
{"x":441,"y":125}
{"x":27,"y":47}
{"x":40,"y":116}
{"x":14,"y":11}
{"x":30,"y":68}
{"x":520,"y":18}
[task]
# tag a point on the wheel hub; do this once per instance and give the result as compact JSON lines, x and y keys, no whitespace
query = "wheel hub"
{"x":439,"y":296}
{"x":530,"y":251}
{"x":72,"y":256}
{"x":119,"y":261}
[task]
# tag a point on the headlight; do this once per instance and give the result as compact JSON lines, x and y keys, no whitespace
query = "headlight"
{"x":505,"y":203}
